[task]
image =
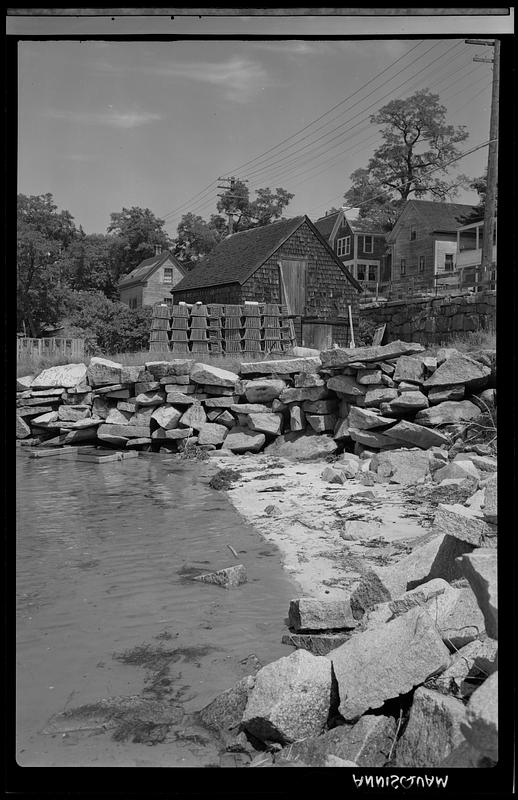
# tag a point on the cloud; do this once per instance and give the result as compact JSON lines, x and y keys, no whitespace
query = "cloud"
{"x":111,"y":117}
{"x":239,"y":77}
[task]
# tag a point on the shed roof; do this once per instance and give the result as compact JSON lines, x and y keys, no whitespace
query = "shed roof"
{"x":146,"y":268}
{"x":326,"y":224}
{"x":237,"y":257}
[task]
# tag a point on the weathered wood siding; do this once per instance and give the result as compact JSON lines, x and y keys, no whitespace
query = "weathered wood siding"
{"x":412,"y":249}
{"x":224,"y":293}
{"x":154,"y":289}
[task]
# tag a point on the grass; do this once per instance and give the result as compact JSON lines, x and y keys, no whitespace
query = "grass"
{"x":468,"y":342}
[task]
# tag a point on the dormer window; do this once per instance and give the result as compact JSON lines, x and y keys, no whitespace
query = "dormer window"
{"x":343,"y":246}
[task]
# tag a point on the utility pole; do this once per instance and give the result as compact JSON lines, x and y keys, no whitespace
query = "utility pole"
{"x":492,"y":158}
{"x":230,"y":188}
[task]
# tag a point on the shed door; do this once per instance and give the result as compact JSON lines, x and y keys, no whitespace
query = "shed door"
{"x":293,"y":290}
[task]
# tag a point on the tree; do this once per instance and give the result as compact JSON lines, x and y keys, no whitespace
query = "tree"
{"x":136,"y":231}
{"x":413,"y":159}
{"x":196,"y":238}
{"x":268,"y":205}
{"x":114,"y":326}
{"x":88,"y":263}
{"x":43,"y":235}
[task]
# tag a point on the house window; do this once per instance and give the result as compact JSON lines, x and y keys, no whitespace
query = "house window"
{"x":168,"y":274}
{"x":361,"y":271}
{"x":168,"y":301}
{"x":368,"y":244}
{"x":413,"y":232}
{"x":421,"y":263}
{"x":373,"y":273}
{"x":402,"y":268}
{"x":448,"y":262}
{"x":343,"y":246}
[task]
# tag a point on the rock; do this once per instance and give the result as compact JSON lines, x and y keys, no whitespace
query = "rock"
{"x":166,"y":416}
{"x":266,"y":423}
{"x":175,"y":380}
{"x":319,"y":406}
{"x":433,"y":730}
{"x":375,"y":397}
{"x":341,"y":430}
{"x":243,"y":440}
{"x":365,"y":377}
{"x":177,"y":366}
{"x":436,"y":596}
{"x":319,"y":644}
{"x":481,"y":726}
{"x":263,"y":391}
{"x":121,"y":394}
{"x":212,"y":433}
{"x":133,"y":374}
{"x":287,"y":366}
{"x":463,"y":623}
{"x":135,"y":443}
{"x":278,"y":407}
{"x":376,"y":665}
{"x":460,"y":470}
{"x":221,"y":417}
{"x":322,"y":422}
{"x":173,"y":433}
{"x":182,"y":399}
{"x":472,"y":660}
{"x":366,"y":419}
{"x":402,"y":466}
{"x":442,"y":394}
{"x":291,"y":698}
{"x":228,"y":578}
{"x":102,"y":372}
{"x":444,"y":353}
{"x":78,"y":436}
{"x":465,"y":756}
{"x":73,"y":413}
{"x":66,"y":376}
{"x":483,"y":463}
{"x":123,"y":431}
{"x":101,"y":407}
{"x":110,"y":438}
{"x":332,"y":475}
{"x":150,"y":399}
{"x":347,"y":385}
{"x":107,"y":390}
{"x":220,"y":402}
{"x":460,"y":369}
{"x":490,"y":500}
{"x":370,"y":438}
{"x":302,"y":446}
{"x":448,"y":413}
{"x":24,"y":382}
{"x":45,"y":393}
{"x":386,"y":380}
{"x":486,"y":400}
{"x":319,"y":614}
{"x":409,"y":369}
{"x":195,"y":417}
{"x":297,"y":418}
{"x":44,"y":419}
{"x":312,"y":393}
{"x":480,"y":568}
{"x":304,"y":380}
{"x":412,"y":434}
{"x":342,"y":357}
{"x":461,"y":523}
{"x":250,"y":408}
{"x":213,"y":376}
{"x":369,"y":593}
{"x":22,"y":429}
{"x":365,"y":744}
{"x":409,"y":402}
{"x":117,"y":417}
{"x":350,"y":469}
{"x":147,"y":386}
{"x":225,"y":712}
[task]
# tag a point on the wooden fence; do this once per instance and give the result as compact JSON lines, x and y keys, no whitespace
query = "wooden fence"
{"x":219,"y":329}
{"x":52,"y":346}
{"x":464,"y":279}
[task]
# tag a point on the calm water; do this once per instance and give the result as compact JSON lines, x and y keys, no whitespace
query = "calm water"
{"x":104,"y":554}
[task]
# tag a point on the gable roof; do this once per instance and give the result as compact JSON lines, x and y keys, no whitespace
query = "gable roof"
{"x":436,"y":217}
{"x":237,"y":257}
{"x":325,"y":225}
{"x":364,"y":226}
{"x":147,"y":267}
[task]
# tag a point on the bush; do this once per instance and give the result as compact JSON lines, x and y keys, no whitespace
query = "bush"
{"x":108,"y":325}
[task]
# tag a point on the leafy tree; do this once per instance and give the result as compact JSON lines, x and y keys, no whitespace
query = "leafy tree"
{"x":115,"y":326}
{"x":411,"y":161}
{"x":196,"y":237}
{"x":43,"y":235}
{"x":136,"y":231}
{"x":88,"y":263}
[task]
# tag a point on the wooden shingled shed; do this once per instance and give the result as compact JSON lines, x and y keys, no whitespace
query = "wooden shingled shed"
{"x":288,"y":263}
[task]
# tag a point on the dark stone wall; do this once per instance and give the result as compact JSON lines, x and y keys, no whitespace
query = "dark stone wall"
{"x":434,"y":320}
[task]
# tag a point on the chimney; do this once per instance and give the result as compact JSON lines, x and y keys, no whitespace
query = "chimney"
{"x":158,"y":249}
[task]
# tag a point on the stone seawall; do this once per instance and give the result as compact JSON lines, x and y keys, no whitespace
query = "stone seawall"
{"x":435,"y":320}
{"x":373,"y":398}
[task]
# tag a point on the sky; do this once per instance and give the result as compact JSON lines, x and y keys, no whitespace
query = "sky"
{"x":104,"y":125}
